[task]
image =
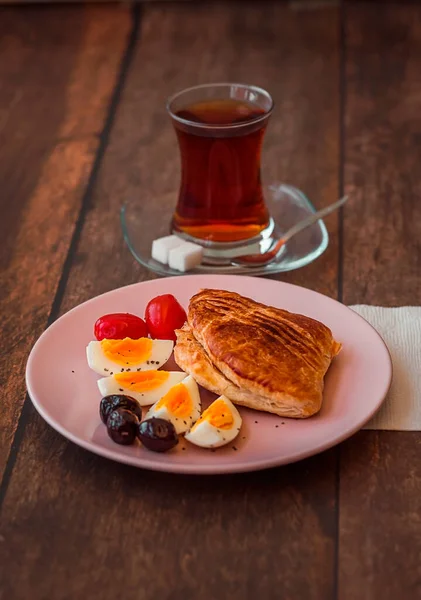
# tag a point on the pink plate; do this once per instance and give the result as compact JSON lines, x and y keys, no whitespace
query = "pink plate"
{"x":64,"y":390}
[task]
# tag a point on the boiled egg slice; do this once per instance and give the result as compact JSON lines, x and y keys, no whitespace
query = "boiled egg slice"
{"x":180,"y":405}
{"x":145,"y":386}
{"x":109,"y":357}
{"x":218,"y":425}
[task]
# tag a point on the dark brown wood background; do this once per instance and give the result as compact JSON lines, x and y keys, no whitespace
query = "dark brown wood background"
{"x":82,"y":127}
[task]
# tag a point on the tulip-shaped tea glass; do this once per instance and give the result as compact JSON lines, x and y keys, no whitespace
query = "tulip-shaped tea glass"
{"x":220,"y":129}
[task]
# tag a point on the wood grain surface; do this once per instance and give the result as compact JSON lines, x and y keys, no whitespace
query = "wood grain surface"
{"x":83,"y":128}
{"x":380,"y":508}
{"x":271,"y":533}
{"x":56,"y":84}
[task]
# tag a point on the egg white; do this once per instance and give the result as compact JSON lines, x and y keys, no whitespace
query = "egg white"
{"x":101,"y":364}
{"x":206,"y":435}
{"x":181,"y":424}
{"x":109,"y":385}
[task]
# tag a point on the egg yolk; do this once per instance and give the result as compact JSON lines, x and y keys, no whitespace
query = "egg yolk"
{"x":127,"y":351}
{"x":218,"y":414}
{"x":142,"y":381}
{"x":178,"y":401}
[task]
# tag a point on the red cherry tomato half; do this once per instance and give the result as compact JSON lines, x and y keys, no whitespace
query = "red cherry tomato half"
{"x":119,"y":326}
{"x":163,"y":315}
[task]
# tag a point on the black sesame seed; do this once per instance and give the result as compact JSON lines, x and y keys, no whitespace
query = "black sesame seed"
{"x":185,"y":422}
{"x":283,"y":423}
{"x":111,"y":373}
{"x":276,"y":425}
{"x":72,"y":371}
{"x":105,"y":369}
{"x":256,"y":421}
{"x":223,"y":415}
{"x":147,"y":362}
{"x":138,"y":369}
{"x":120,"y":390}
{"x":234,"y":448}
{"x":244,"y":437}
{"x":122,"y":370}
{"x":183,"y":448}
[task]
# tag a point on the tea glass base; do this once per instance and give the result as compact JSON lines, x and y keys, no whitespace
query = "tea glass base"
{"x":218,"y":253}
{"x":287,"y":205}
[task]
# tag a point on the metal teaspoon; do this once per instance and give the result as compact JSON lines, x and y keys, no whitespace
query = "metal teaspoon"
{"x":259,"y":260}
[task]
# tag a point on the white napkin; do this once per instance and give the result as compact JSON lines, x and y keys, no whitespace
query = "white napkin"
{"x":401,"y":330}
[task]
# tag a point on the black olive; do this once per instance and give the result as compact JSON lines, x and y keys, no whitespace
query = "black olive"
{"x":122,"y":426}
{"x":157,"y":435}
{"x":110,"y":403}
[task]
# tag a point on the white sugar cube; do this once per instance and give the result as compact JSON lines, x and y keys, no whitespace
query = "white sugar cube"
{"x":185,"y":257}
{"x":162,"y":247}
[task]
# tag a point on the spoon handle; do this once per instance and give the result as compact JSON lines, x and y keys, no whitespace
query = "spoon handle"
{"x":258,"y":260}
{"x":312,"y":219}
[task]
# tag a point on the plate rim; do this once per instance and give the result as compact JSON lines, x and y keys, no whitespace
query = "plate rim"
{"x":188,"y":468}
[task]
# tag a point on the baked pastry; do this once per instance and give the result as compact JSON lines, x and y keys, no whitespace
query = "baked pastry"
{"x":258,"y":356}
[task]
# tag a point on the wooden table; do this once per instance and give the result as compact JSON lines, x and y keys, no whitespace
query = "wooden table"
{"x":82,"y":127}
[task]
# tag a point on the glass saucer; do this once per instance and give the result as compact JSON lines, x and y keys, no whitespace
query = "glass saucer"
{"x":141,"y":224}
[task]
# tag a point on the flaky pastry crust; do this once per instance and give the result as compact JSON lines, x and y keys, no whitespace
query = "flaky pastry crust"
{"x":262,"y":357}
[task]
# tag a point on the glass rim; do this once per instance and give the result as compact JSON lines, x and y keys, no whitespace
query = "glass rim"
{"x":229,"y":126}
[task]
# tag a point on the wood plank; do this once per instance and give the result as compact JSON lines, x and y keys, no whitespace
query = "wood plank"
{"x":380,"y":490}
{"x":56,"y":86}
{"x":270,"y":534}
